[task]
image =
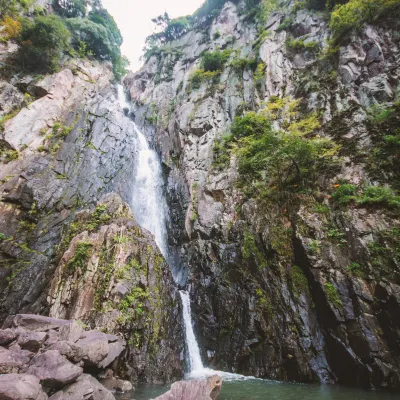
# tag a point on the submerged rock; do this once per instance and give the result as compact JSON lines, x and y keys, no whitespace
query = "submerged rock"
{"x":204,"y":389}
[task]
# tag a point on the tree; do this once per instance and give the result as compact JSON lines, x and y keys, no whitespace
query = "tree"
{"x":42,"y":42}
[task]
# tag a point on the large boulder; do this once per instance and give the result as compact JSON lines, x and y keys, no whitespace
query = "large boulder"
{"x":95,"y":347}
{"x":114,"y":351}
{"x":85,"y":388}
{"x":8,"y":364}
{"x":204,"y":389}
{"x":32,"y":322}
{"x":70,"y":350}
{"x":21,"y":387}
{"x":71,"y":332}
{"x":53,"y":369}
{"x":32,"y":341}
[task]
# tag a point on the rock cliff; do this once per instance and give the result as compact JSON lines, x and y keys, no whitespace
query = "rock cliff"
{"x":298,"y":283}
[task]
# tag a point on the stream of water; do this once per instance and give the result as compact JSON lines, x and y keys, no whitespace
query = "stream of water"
{"x":150,"y":210}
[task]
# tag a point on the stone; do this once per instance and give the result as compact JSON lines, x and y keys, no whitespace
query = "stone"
{"x":204,"y":389}
{"x":115,"y":349}
{"x":85,"y":388}
{"x":8,"y":364}
{"x":21,"y":387}
{"x":115,"y":384}
{"x":73,"y":352}
{"x":32,"y":322}
{"x":95,"y":347}
{"x":71,"y":332}
{"x":7,"y":336}
{"x":32,"y":341}
{"x":53,"y":369}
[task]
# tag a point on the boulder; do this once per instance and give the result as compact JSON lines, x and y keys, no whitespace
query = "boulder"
{"x":32,"y":322}
{"x":8,"y":364}
{"x":85,"y":388}
{"x":21,"y":387}
{"x":204,"y":389}
{"x":71,"y":332}
{"x":95,"y":347}
{"x":118,"y":385}
{"x":31,"y":341}
{"x":7,"y":336}
{"x":53,"y":369}
{"x":70,"y":350}
{"x":115,"y":349}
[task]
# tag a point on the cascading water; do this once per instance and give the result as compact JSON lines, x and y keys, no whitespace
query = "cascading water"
{"x":150,"y":210}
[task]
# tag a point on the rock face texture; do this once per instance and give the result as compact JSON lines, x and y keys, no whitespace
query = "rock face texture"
{"x":69,"y":245}
{"x":205,"y":389}
{"x":306,"y":289}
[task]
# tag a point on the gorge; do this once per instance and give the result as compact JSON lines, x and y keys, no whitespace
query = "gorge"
{"x":232,"y":206}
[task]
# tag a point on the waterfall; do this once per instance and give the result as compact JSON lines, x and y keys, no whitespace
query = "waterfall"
{"x":149,"y":207}
{"x":195,"y":363}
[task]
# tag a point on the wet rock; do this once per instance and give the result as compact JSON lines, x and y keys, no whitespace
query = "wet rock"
{"x":204,"y":389}
{"x":53,"y":370}
{"x":21,"y":387}
{"x":85,"y":388}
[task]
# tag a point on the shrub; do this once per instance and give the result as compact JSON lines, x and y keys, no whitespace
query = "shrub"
{"x":200,"y":76}
{"x":355,"y":13}
{"x":81,"y":257}
{"x":215,"y":60}
{"x":12,"y":28}
{"x":379,"y":195}
{"x":299,"y":280}
{"x":345,"y":194}
{"x":355,"y":269}
{"x":242,"y":64}
{"x":333,"y":295}
{"x":42,"y":43}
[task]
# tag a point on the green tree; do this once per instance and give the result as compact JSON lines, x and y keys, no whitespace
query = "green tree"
{"x":42,"y":43}
{"x":70,"y":8}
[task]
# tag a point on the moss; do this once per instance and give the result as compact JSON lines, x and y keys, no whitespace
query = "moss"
{"x":195,"y":215}
{"x":333,"y":295}
{"x":299,"y":281}
{"x":250,"y":249}
{"x":80,"y":258}
{"x":264,"y":302}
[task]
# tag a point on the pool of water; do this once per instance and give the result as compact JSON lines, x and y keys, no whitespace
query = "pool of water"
{"x":270,"y":390}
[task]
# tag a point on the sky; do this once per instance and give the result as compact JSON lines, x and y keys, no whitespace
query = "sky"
{"x":134,"y":20}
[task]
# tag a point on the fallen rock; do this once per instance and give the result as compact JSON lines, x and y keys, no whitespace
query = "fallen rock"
{"x":116,"y":384}
{"x":32,"y":322}
{"x":7,"y":336}
{"x":21,"y":387}
{"x":204,"y":389}
{"x":8,"y":363}
{"x":95,"y":347}
{"x":115,"y":349}
{"x":85,"y":388}
{"x":70,"y":350}
{"x":53,"y":369}
{"x":71,"y":332}
{"x":32,"y":341}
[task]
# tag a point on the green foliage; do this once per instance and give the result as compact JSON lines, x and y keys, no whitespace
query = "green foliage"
{"x":345,"y":194}
{"x":80,"y":258}
{"x":250,"y":249}
{"x":354,"y":13}
{"x":134,"y":300}
{"x":337,"y":235}
{"x":99,"y":217}
{"x":213,"y":61}
{"x":299,"y":280}
{"x":198,"y":77}
{"x":379,"y":195}
{"x":209,"y":7}
{"x":259,"y":75}
{"x":243,"y":64}
{"x":301,"y":44}
{"x":333,"y":295}
{"x":320,"y":208}
{"x":251,"y":124}
{"x":42,"y":42}
{"x":2,"y":237}
{"x":355,"y":269}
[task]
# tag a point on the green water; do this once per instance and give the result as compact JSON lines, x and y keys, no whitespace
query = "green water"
{"x":269,"y":390}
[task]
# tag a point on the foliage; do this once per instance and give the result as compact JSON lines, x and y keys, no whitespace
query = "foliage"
{"x":70,"y":8}
{"x":212,"y":61}
{"x":299,"y":280}
{"x":345,"y":194}
{"x":243,"y":64}
{"x":209,"y":7}
{"x":354,"y":13}
{"x":333,"y":295}
{"x":355,"y":269}
{"x":301,"y":44}
{"x":200,"y":76}
{"x":250,"y":249}
{"x":12,"y":28}
{"x":81,"y":257}
{"x":99,"y":217}
{"x":42,"y":42}
{"x":134,"y":300}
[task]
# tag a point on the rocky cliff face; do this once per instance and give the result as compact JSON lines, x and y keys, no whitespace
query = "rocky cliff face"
{"x":69,"y":245}
{"x":305,"y":289}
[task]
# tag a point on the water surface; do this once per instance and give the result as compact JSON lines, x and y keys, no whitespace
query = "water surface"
{"x":270,"y":390}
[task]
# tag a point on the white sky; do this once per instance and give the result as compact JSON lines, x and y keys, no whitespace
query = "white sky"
{"x":134,"y":20}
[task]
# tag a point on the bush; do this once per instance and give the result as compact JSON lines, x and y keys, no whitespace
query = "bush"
{"x":379,"y":195}
{"x":215,"y":60}
{"x":42,"y":42}
{"x":243,"y":64}
{"x":200,"y":76}
{"x":345,"y":194}
{"x":355,"y":13}
{"x":250,"y":124}
{"x":12,"y":28}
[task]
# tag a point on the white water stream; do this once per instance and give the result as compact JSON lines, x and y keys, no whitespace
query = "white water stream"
{"x":150,"y":210}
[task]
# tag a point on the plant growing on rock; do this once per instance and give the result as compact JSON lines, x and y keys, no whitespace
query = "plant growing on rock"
{"x":333,"y":295}
{"x":80,"y":258}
